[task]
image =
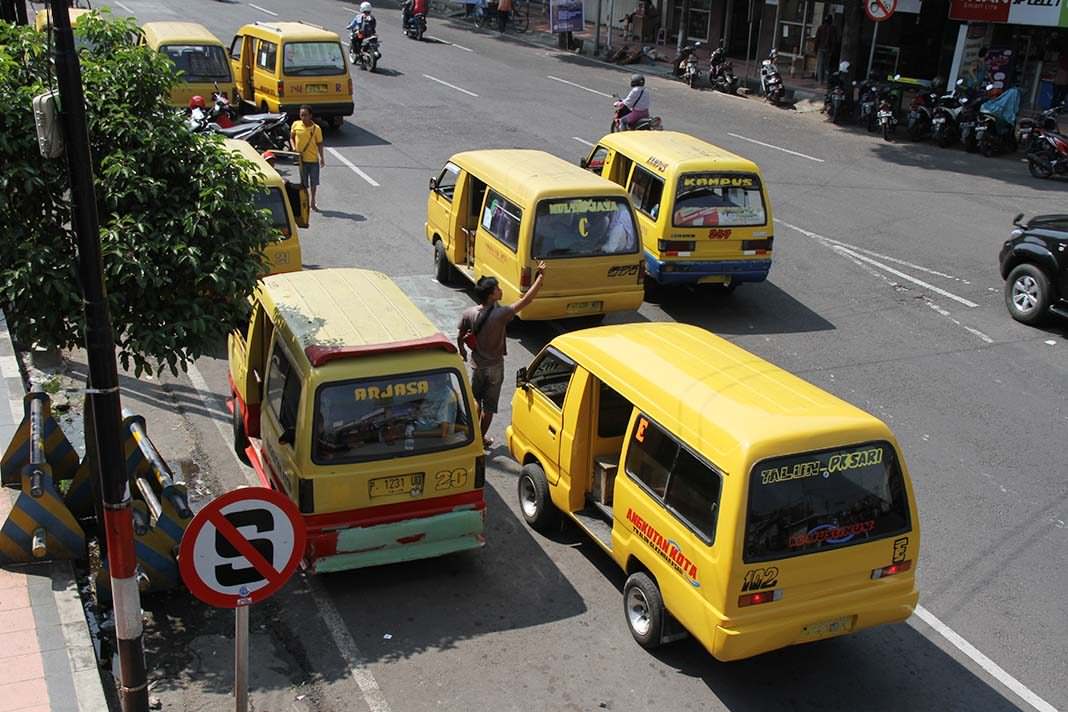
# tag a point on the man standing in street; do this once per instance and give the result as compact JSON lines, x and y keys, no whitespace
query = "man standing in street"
{"x":306,"y":138}
{"x":482,"y":329}
{"x":504,"y":11}
{"x":826,"y":36}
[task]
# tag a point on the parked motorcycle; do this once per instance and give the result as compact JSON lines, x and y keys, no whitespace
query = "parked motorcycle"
{"x":264,"y":131}
{"x":649,"y":123}
{"x":836,"y":103}
{"x":771,"y":81}
{"x":721,"y":72}
{"x":968,"y":120}
{"x":691,"y":73}
{"x":918,"y":120}
{"x":995,"y":128}
{"x":867,"y":103}
{"x":416,"y":25}
{"x":369,"y":52}
{"x":1046,"y":146}
{"x":684,"y":59}
{"x":945,"y":118}
{"x":885,"y":115}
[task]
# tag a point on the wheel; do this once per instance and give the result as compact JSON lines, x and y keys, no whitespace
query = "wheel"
{"x":1027,"y":294}
{"x":374,"y":63}
{"x":654,"y":291}
{"x":644,"y":608}
{"x":419,"y":33}
{"x":442,"y":268}
{"x":945,"y":139}
{"x":240,"y":438}
{"x":888,"y":131}
{"x":353,"y":58}
{"x":337,"y":122}
{"x":871,"y":122}
{"x":970,"y":144}
{"x":1039,"y":165}
{"x":534,"y":501}
{"x":915,"y":131}
{"x":691,"y":79}
{"x":986,"y":148}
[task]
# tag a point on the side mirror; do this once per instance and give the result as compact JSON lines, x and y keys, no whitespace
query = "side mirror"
{"x":288,"y":436}
{"x":1016,"y":220}
{"x":521,"y":378}
{"x":583,"y":163}
{"x":433,"y":184}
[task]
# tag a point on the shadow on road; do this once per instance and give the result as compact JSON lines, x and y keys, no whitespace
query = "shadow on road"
{"x":352,"y":135}
{"x":761,"y":308}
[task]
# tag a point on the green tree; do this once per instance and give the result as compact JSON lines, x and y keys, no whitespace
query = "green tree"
{"x":181,"y":239}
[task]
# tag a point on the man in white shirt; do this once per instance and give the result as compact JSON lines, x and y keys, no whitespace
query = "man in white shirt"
{"x":636,"y":104}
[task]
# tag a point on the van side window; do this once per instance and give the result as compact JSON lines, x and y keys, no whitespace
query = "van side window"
{"x":447,"y":181}
{"x":267,"y":55}
{"x":620,"y":169}
{"x":550,"y":375}
{"x":684,"y":483}
{"x":596,"y":160}
{"x":236,"y":45}
{"x":645,"y":191}
{"x":478,"y":193}
{"x":501,"y":219}
{"x":283,"y":387}
{"x":613,"y":413}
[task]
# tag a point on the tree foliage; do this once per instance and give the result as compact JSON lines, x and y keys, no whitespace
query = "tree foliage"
{"x":181,"y":239}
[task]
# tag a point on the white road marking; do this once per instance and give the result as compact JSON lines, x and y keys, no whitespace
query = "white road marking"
{"x":579,"y":86}
{"x":272,"y":13}
{"x":452,"y":44}
{"x":875,"y":263}
{"x":582,"y":140}
{"x":777,"y":148}
{"x":353,"y":166}
{"x":995,"y":670}
{"x":888,"y":258}
{"x":343,"y":641}
{"x":451,"y":86}
{"x":123,"y":6}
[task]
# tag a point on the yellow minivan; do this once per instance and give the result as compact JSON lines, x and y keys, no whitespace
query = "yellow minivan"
{"x":704,"y":212}
{"x":498,"y":212}
{"x":42,"y":22}
{"x":747,"y":506}
{"x":199,"y":55}
{"x":280,"y":197}
{"x":281,"y":65}
{"x":347,"y":399}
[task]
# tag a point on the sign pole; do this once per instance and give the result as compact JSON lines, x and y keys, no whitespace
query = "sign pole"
{"x":241,"y":658}
{"x":871,"y":53}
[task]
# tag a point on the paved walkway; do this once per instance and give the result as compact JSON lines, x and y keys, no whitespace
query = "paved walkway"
{"x":46,"y":654}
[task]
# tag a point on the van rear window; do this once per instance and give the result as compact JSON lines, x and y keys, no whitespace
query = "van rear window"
{"x":719,"y":199}
{"x":817,"y":501}
{"x":273,"y":200}
{"x":312,"y":59}
{"x":583,"y":227}
{"x":199,"y":63}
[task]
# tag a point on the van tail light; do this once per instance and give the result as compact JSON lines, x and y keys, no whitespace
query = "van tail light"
{"x":285,"y":231}
{"x":672,"y":248}
{"x":480,"y":471}
{"x":757,"y":247}
{"x":350,"y":86}
{"x":281,"y":89}
{"x":755,"y":599}
{"x":891,"y":570}
{"x":641,"y":272}
{"x":524,"y":278}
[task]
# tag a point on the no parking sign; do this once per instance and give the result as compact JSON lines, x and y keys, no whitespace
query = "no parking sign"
{"x":879,"y":10}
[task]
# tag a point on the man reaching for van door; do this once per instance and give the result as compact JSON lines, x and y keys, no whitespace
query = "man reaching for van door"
{"x":482,"y":330}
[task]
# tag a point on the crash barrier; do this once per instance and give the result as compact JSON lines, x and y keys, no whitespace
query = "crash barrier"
{"x":47,"y":524}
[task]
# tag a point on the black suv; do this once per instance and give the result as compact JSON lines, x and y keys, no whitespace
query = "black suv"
{"x":1034,"y":265}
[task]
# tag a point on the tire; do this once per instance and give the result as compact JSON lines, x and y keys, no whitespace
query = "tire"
{"x":888,"y":131}
{"x":969,"y":144}
{"x":1027,"y":294}
{"x":986,"y":148}
{"x":442,"y":268}
{"x":643,"y":607}
{"x":535,"y":504}
{"x":419,"y":34}
{"x":691,"y":79}
{"x":945,"y":140}
{"x":915,"y":132}
{"x":1040,"y":165}
{"x":654,"y":291}
{"x":374,"y":64}
{"x":353,"y":57}
{"x":240,"y":438}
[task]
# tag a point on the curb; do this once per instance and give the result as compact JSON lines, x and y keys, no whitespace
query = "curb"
{"x":72,"y":673}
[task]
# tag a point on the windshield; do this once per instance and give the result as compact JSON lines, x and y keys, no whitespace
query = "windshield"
{"x":199,"y":63}
{"x":313,"y":59}
{"x":802,"y":504}
{"x":583,"y":227}
{"x":719,"y":200}
{"x":394,"y":416}
{"x":273,"y":200}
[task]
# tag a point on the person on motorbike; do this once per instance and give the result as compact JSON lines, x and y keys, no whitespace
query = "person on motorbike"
{"x":410,"y":9}
{"x":635,"y":106}
{"x":362,"y":26}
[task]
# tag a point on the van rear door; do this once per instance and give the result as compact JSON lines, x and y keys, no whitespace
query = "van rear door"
{"x":723,"y":213}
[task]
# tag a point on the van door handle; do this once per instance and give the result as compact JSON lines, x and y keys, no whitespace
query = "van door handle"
{"x":552,"y":430}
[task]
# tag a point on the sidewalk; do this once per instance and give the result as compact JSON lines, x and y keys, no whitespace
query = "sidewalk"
{"x":46,"y":654}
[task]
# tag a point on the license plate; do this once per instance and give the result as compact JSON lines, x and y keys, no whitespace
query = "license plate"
{"x":580,"y":307}
{"x":826,"y":629}
{"x":938,"y":120}
{"x":885,"y":114}
{"x":316,"y":89}
{"x":398,"y":484}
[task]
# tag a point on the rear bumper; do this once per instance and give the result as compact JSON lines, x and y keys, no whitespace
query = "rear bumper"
{"x":694,"y":271}
{"x":744,"y":640}
{"x":564,"y":307}
{"x":321,"y":110}
{"x":407,"y":540}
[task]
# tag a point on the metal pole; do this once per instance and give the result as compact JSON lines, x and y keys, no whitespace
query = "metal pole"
{"x":241,"y":658}
{"x":597,"y":33}
{"x":21,"y":17}
{"x":871,"y":53}
{"x":611,"y":25}
{"x":103,"y":373}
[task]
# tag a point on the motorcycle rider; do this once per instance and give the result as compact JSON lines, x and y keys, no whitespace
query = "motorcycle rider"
{"x":635,"y":106}
{"x":362,"y":26}
{"x":410,"y":9}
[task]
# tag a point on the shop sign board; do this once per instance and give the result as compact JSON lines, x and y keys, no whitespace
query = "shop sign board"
{"x":566,"y":16}
{"x":1043,"y":13}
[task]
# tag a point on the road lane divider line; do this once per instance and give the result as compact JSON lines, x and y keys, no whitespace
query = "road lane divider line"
{"x":777,"y":148}
{"x":124,"y":7}
{"x":995,"y":670}
{"x":451,"y":44}
{"x":272,"y":13}
{"x":875,"y":263}
{"x":451,"y":86}
{"x":355,"y":169}
{"x":343,"y":640}
{"x":583,"y":141}
{"x":579,"y":86}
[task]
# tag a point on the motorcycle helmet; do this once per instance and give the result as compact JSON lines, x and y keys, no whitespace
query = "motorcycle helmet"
{"x":197,"y":102}
{"x":268,"y":156}
{"x":637,"y":80}
{"x":365,"y":7}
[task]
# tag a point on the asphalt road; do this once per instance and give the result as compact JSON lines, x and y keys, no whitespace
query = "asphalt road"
{"x":884,"y":291}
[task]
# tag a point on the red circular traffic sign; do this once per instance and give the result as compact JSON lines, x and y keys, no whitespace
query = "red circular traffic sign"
{"x":879,"y":10}
{"x":242,"y":547}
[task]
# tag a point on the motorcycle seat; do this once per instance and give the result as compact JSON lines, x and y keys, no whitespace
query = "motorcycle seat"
{"x":235,"y":131}
{"x":256,"y":118}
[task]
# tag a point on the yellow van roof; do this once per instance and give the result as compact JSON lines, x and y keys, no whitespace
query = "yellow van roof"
{"x":268,"y":175}
{"x":674,"y":148}
{"x":695,"y":383}
{"x":294,"y":31}
{"x":347,"y":313}
{"x":527,"y":174}
{"x":41,"y":20}
{"x":163,"y":33}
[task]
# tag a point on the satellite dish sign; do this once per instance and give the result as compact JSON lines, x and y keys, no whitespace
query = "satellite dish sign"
{"x":242,"y":547}
{"x":879,"y":10}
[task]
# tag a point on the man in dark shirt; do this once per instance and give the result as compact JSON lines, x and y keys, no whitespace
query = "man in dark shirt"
{"x":483,"y":329}
{"x":826,"y":37}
